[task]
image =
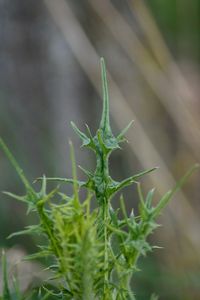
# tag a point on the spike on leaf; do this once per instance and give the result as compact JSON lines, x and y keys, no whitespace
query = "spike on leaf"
{"x":83,"y":136}
{"x":120,"y":137}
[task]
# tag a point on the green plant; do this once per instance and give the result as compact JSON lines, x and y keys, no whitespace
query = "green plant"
{"x":94,"y":253}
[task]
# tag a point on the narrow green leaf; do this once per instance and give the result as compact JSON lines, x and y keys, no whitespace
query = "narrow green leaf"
{"x":120,"y":137}
{"x":141,"y":197}
{"x":167,"y":197}
{"x":37,"y":255}
{"x":29,"y":230}
{"x":117,"y":186}
{"x":149,"y":198}
{"x":83,"y":136}
{"x":16,"y":166}
{"x":86,"y":172}
{"x":63,"y":180}
{"x":137,"y":176}
{"x":44,"y":186}
{"x":123,"y":208}
{"x":117,"y":231}
{"x":92,"y":143}
{"x":42,"y":201}
{"x":105,"y":119}
{"x":6,"y":292}
{"x":18,"y":295}
{"x":113,"y":215}
{"x":19,"y":198}
{"x":74,"y":174}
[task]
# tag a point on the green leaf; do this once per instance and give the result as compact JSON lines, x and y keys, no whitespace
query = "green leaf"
{"x":37,"y":255}
{"x":44,"y":187}
{"x":32,"y":229}
{"x":17,"y":293}
{"x":120,"y":137}
{"x":6,"y":291}
{"x":63,"y":180}
{"x":117,"y":186}
{"x":86,"y":172}
{"x":149,"y":198}
{"x":105,"y":119}
{"x":16,"y":166}
{"x":83,"y":136}
{"x":19,"y":198}
{"x":123,"y":208}
{"x":137,"y":176}
{"x":42,"y":201}
{"x":29,"y":199}
{"x":92,"y":143}
{"x":75,"y":181}
{"x":167,"y":197}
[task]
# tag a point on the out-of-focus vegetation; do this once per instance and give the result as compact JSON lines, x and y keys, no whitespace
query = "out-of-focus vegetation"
{"x":48,"y":55}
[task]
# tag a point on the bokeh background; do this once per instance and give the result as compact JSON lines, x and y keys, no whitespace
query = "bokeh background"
{"x":50,"y":75}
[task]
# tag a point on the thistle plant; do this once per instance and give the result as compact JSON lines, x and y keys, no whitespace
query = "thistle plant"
{"x":94,"y":252}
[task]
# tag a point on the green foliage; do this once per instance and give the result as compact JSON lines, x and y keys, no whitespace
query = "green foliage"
{"x":94,"y":253}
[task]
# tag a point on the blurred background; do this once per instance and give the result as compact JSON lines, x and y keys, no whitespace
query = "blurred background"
{"x":50,"y":75}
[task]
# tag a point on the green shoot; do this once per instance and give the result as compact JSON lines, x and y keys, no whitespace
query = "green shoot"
{"x":79,"y":241}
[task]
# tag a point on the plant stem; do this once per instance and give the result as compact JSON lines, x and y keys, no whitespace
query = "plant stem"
{"x":105,"y":219}
{"x":101,"y":178}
